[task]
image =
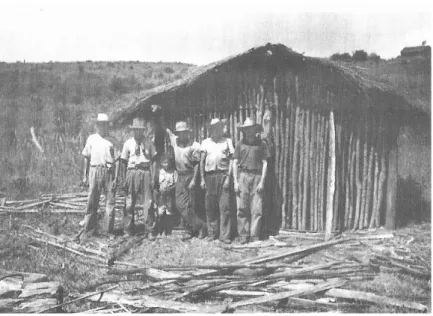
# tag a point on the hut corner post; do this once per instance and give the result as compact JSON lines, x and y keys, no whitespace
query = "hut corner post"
{"x":331,"y":179}
{"x":391,"y":189}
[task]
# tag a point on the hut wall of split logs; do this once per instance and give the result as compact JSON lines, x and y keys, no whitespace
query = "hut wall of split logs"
{"x":332,"y":132}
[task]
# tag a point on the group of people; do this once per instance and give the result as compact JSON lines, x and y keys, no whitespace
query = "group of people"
{"x":214,"y":170}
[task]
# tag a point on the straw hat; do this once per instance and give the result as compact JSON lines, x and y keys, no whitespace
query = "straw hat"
{"x":182,"y":126}
{"x":102,"y":118}
{"x":249,"y":123}
{"x":138,"y":123}
{"x":215,"y":123}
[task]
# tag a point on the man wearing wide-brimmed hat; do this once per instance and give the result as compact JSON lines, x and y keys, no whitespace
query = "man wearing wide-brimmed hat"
{"x":187,"y":160}
{"x":138,"y":154}
{"x":215,"y":172}
{"x":99,"y":174}
{"x":249,"y":173}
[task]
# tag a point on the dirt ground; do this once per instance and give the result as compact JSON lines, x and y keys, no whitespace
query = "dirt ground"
{"x":76,"y":273}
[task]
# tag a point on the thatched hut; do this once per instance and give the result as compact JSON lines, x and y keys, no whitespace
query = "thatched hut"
{"x":333,"y":132}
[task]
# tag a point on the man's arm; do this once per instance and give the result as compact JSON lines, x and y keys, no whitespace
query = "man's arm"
{"x":202,"y":164}
{"x":196,"y":173}
{"x":261,"y":185}
{"x":235,"y":175}
{"x":86,"y":165}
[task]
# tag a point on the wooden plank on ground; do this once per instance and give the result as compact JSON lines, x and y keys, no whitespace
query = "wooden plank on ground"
{"x":373,"y":298}
{"x":283,"y":295}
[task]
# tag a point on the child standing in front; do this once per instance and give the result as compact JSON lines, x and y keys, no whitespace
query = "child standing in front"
{"x":165,"y":196}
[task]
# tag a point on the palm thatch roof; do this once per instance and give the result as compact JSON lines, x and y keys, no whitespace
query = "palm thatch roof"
{"x":359,"y":90}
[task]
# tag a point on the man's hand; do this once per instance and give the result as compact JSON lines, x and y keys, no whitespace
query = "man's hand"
{"x":85,"y":181}
{"x":203,"y":184}
{"x":114,"y":185}
{"x":191,"y":185}
{"x":236,"y":187}
{"x":226,"y":183}
{"x":260,"y":187}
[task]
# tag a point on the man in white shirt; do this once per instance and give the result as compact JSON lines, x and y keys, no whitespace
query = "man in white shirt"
{"x":99,"y":174}
{"x":215,"y":171}
{"x":138,"y":154}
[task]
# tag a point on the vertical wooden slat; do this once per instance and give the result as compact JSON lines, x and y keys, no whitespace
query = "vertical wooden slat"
{"x":301,"y":168}
{"x":317,"y":168}
{"x":331,"y":179}
{"x":324,"y":172}
{"x":364,"y":175}
{"x":312,"y":168}
{"x":391,"y":187}
{"x":294,"y":177}
{"x":368,"y":207}
{"x":290,"y":161}
{"x":286,"y":167}
{"x":347,"y":205}
{"x":306,"y":169}
{"x":338,"y":164}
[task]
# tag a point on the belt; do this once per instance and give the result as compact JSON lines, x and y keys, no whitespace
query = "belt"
{"x":139,"y":168}
{"x":216,"y":171}
{"x":250,"y":171}
{"x":94,"y":166}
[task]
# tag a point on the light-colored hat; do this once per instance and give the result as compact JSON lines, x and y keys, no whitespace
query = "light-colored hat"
{"x":102,"y":118}
{"x":215,"y":123}
{"x":249,"y":122}
{"x":182,"y":126}
{"x":138,"y":123}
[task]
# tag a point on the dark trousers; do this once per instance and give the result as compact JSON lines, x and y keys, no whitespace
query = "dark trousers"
{"x":186,"y":204}
{"x":249,"y":205}
{"x":139,"y":189}
{"x":217,"y":203}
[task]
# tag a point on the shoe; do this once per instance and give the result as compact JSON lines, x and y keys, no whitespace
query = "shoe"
{"x":202,"y":233}
{"x":210,"y":238}
{"x":244,"y":241}
{"x":227,"y":241}
{"x":253,"y":239}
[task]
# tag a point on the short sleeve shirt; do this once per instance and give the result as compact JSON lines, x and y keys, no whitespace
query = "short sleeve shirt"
{"x":218,"y":154}
{"x":99,"y":150}
{"x":250,"y":157}
{"x":185,"y":157}
{"x":138,"y":154}
{"x":166,"y":180}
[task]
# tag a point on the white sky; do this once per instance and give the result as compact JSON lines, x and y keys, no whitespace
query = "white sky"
{"x":200,"y":32}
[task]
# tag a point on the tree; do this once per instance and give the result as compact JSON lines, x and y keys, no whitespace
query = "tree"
{"x":341,"y":57}
{"x":374,"y":57}
{"x":359,"y":55}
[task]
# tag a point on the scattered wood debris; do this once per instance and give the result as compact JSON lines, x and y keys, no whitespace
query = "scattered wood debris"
{"x":22,"y":292}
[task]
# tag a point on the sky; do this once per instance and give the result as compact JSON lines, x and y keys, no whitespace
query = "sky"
{"x":201,"y":32}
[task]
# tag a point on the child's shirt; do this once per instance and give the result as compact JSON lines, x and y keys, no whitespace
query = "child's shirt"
{"x":167,"y":180}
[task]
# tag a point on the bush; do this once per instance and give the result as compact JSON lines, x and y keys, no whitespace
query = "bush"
{"x":148,"y":86}
{"x":110,"y":64}
{"x":341,"y":57}
{"x":116,"y":85}
{"x":374,"y":57}
{"x":168,"y":70}
{"x":359,"y":55}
